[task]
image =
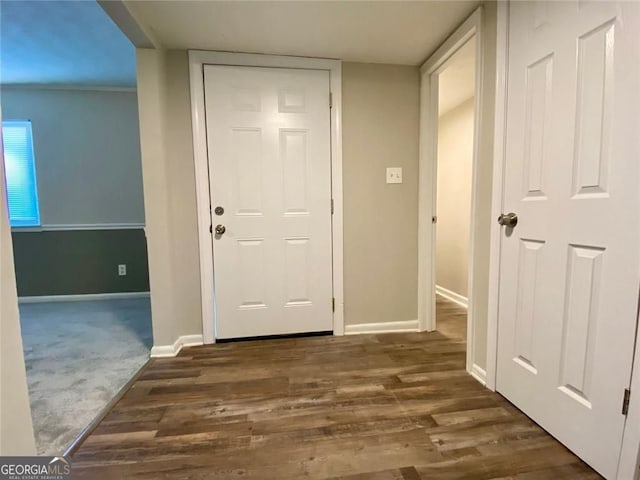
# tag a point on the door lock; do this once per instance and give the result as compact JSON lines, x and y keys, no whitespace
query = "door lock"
{"x":508,"y":220}
{"x":219,"y":210}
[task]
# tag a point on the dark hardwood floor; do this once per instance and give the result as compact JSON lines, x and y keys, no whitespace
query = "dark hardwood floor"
{"x":451,"y":320}
{"x":369,"y":407}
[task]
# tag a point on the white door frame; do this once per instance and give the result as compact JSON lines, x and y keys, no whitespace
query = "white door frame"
{"x":429,"y":71}
{"x":502,"y":61}
{"x":197,"y":60}
{"x":629,"y":463}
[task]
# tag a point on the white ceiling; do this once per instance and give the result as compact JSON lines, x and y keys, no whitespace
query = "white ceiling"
{"x":63,"y":43}
{"x":76,"y":43}
{"x":456,"y":83}
{"x":400,"y":32}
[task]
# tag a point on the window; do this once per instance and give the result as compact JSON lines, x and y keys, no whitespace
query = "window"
{"x":22,"y":190}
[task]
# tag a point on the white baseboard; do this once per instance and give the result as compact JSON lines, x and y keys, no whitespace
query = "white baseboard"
{"x":82,"y":298}
{"x":480,"y":374}
{"x":386,"y":327}
{"x":162,"y":351}
{"x":453,"y":296}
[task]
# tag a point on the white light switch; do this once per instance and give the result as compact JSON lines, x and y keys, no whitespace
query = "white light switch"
{"x":394,"y":175}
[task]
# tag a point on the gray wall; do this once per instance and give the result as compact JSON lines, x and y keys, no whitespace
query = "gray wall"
{"x":87,"y":155}
{"x":80,"y":262}
{"x":380,"y":118}
{"x":380,"y":129}
{"x":170,"y":197}
{"x":390,"y":98}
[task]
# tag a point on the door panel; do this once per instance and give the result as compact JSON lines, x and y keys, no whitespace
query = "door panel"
{"x":270,"y":169}
{"x":570,"y":268}
{"x":527,"y":309}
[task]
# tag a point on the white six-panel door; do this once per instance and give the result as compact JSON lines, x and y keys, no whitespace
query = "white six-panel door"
{"x":570,"y":268}
{"x":268,"y":138}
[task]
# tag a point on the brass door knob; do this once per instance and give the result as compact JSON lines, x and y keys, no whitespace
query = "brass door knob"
{"x":220,"y":229}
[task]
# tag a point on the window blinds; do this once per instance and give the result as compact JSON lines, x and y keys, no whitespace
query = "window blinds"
{"x":22,"y":190}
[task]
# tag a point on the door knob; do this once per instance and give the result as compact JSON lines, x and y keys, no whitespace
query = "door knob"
{"x":220,"y":229}
{"x":508,"y":220}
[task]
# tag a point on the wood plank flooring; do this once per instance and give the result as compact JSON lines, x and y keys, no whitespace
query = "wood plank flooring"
{"x":451,"y":319}
{"x":368,"y":407}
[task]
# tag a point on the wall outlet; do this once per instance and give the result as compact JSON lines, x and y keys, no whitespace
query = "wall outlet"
{"x":394,"y":175}
{"x":122,"y":269}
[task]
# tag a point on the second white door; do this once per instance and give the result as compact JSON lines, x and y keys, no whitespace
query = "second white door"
{"x":569,"y":268}
{"x":268,"y":136}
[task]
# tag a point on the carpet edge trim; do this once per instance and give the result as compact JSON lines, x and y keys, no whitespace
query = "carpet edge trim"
{"x":88,"y":430}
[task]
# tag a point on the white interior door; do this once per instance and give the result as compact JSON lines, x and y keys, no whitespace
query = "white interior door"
{"x":570,"y":268}
{"x":268,"y":136}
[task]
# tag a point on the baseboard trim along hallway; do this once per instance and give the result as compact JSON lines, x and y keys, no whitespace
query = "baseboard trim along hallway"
{"x":480,"y":374}
{"x":453,"y":296}
{"x":384,"y":327}
{"x":163,"y":351}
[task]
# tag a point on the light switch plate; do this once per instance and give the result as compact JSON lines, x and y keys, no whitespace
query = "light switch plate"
{"x":394,"y":175}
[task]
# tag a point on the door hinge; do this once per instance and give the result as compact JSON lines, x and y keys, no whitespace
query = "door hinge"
{"x":330,"y":100}
{"x":333,"y":304}
{"x":434,"y":219}
{"x":332,"y":206}
{"x":625,"y":401}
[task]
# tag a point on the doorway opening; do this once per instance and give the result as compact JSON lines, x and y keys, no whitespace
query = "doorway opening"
{"x":453,"y":192}
{"x":455,"y":134}
{"x":71,"y":157}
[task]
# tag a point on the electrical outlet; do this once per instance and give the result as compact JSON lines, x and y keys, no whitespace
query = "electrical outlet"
{"x":122,"y":269}
{"x":394,"y":175}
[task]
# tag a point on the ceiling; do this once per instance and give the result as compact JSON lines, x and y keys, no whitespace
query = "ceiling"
{"x":76,"y":43}
{"x":457,"y":81}
{"x":63,"y":43}
{"x":398,"y":32}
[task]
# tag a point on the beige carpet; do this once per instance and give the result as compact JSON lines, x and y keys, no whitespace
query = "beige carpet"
{"x":78,"y":355}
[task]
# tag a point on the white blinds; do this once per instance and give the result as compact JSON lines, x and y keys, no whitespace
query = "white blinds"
{"x":22,"y":190}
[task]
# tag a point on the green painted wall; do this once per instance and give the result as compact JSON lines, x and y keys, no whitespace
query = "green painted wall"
{"x":76,"y":262}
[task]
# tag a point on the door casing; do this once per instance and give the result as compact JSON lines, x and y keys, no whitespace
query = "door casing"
{"x":629,"y":460}
{"x":437,"y":62}
{"x":197,"y":60}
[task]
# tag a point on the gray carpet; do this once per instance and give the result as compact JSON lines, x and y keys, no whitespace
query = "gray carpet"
{"x":78,"y":355}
